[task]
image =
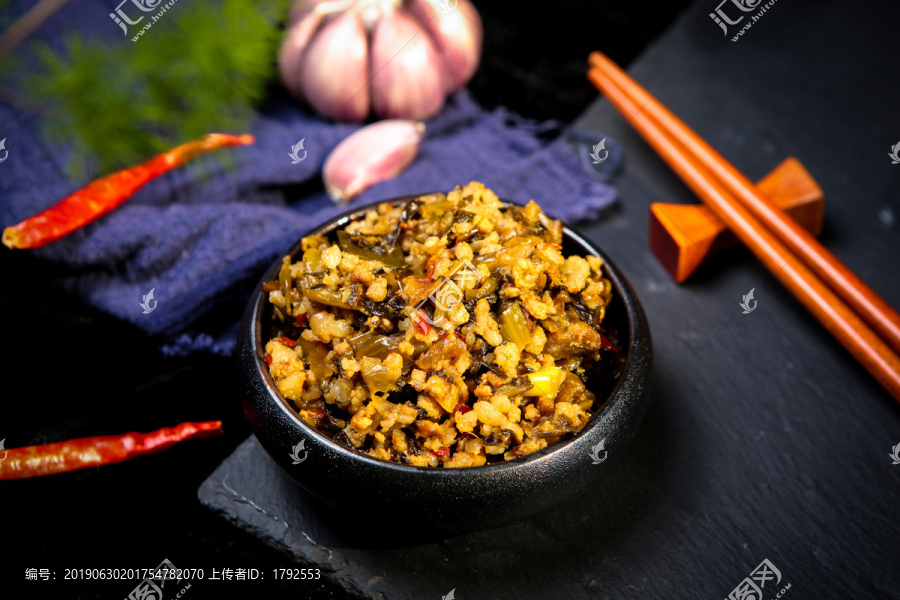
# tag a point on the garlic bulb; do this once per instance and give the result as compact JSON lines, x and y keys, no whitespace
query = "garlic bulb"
{"x":396,"y":58}
{"x":372,"y":154}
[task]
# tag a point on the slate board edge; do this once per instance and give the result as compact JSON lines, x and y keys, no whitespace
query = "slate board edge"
{"x":215,"y":494}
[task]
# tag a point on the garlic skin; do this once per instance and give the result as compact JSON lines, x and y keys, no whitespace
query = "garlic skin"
{"x":395,"y":58}
{"x":372,"y":154}
{"x":301,"y":8}
{"x":290,"y":56}
{"x":335,"y":89}
{"x":409,"y":77}
{"x":457,"y":34}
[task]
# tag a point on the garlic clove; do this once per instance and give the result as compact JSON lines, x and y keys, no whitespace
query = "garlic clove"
{"x":290,"y":55}
{"x":409,"y":79}
{"x":335,"y":68}
{"x":457,"y":33}
{"x":372,"y":154}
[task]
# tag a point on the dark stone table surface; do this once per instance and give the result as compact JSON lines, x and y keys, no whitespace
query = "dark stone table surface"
{"x":764,"y":440}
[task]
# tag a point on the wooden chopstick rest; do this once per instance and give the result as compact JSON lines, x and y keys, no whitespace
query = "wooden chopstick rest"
{"x":683,"y":235}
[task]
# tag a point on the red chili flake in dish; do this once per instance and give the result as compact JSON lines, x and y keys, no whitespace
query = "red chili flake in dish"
{"x":269,"y":359}
{"x":605,"y":344}
{"x":462,"y":409}
{"x":431,"y":263}
{"x":458,"y":335}
{"x":441,"y":452}
{"x":313,"y":416}
{"x":288,"y":342}
{"x":422,"y":325}
{"x":301,"y":320}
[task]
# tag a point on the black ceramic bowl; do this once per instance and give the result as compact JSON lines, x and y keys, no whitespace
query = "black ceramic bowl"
{"x":450,"y":500}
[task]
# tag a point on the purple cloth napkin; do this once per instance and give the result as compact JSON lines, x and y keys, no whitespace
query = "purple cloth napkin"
{"x":196,"y":234}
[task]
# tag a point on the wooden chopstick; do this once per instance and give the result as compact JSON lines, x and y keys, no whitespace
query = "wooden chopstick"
{"x":814,"y":294}
{"x":845,"y":283}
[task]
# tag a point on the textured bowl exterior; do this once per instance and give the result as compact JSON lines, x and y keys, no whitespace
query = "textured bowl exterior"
{"x":449,"y":500}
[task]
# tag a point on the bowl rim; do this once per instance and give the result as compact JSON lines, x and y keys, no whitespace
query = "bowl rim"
{"x":633,"y":318}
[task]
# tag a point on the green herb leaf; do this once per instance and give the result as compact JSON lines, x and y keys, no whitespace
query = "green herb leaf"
{"x":200,"y":68}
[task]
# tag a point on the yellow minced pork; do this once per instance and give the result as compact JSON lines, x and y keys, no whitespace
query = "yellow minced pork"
{"x":447,"y":331}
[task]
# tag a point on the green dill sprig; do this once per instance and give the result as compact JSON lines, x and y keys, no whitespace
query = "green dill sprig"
{"x":200,"y":68}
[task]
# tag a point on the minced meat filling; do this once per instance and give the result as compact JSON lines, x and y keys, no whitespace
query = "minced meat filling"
{"x":448,"y":331}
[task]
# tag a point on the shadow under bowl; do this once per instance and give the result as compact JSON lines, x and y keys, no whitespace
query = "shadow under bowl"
{"x":451,"y":501}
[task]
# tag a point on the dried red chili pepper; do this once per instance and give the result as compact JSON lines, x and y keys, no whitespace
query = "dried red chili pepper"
{"x":107,"y":193}
{"x":268,"y":360}
{"x":83,"y":453}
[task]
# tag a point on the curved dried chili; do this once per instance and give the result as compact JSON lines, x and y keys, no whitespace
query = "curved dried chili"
{"x":107,"y":193}
{"x":83,"y":453}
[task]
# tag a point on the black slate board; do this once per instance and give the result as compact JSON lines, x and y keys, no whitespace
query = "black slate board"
{"x":764,"y":439}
